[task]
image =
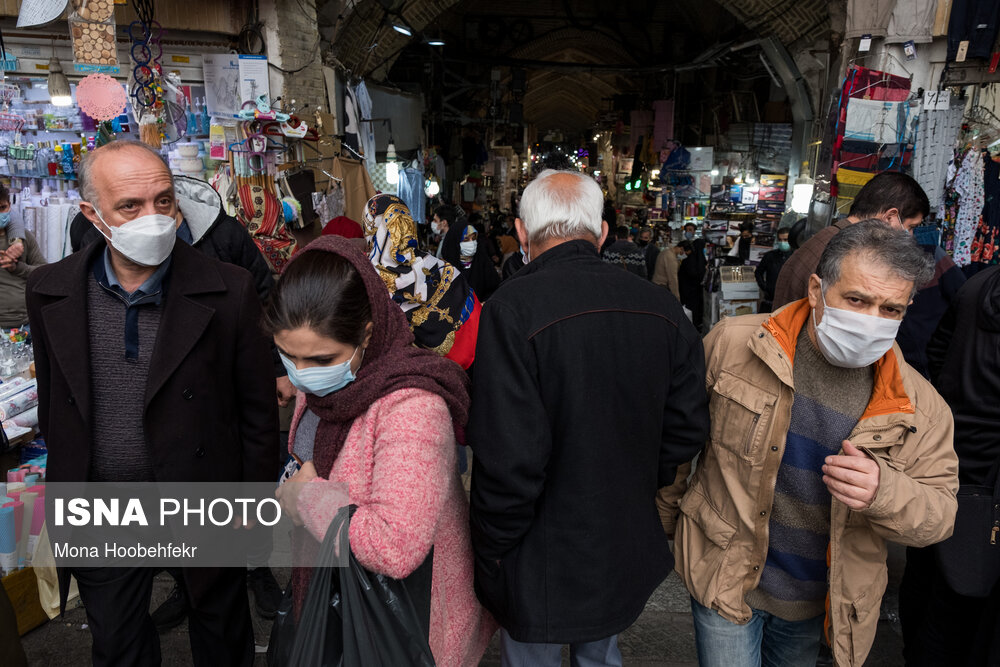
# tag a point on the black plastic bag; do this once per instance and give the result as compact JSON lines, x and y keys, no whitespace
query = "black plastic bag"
{"x":353,"y":617}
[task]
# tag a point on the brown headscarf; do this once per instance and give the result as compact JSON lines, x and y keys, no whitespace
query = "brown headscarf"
{"x":391,"y":362}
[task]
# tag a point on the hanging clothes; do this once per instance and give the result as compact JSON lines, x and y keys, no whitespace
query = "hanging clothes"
{"x":968,"y":187}
{"x":411,"y":191}
{"x":352,"y":118}
{"x":366,"y":130}
{"x":984,"y":245}
{"x":868,"y":17}
{"x":976,"y":22}
{"x":911,"y":20}
{"x":937,"y":132}
{"x":357,"y":186}
{"x":260,"y":212}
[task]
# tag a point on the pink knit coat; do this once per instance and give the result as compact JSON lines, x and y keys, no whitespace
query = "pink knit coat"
{"x":399,"y":464}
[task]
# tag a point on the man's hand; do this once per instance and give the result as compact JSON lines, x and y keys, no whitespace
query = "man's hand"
{"x":7,"y":262}
{"x":852,"y":477}
{"x":286,"y":390}
{"x":288,"y":493}
{"x":16,"y":250}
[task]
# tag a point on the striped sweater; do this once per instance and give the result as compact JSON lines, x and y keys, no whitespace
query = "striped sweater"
{"x":828,"y":403}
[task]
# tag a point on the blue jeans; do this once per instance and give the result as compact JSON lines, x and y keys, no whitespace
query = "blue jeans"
{"x":602,"y":653}
{"x":766,"y":641}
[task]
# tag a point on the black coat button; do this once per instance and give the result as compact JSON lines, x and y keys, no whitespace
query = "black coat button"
{"x":71,"y":400}
{"x":188,"y":394}
{"x":200,"y":452}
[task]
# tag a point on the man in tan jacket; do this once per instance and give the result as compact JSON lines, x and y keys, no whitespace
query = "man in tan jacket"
{"x":668,"y":263}
{"x":824,"y":445}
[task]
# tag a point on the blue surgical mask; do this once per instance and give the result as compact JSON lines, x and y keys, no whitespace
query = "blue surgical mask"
{"x":689,"y":235}
{"x":320,"y":380}
{"x":4,"y":219}
{"x":783,"y":246}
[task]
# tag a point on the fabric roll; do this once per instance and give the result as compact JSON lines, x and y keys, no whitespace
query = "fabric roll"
{"x":15,"y":487}
{"x":31,"y":479}
{"x":13,"y":386}
{"x":38,"y":488}
{"x":3,"y":489}
{"x":38,"y":516}
{"x":24,"y":548}
{"x":28,"y":218}
{"x":15,"y":475}
{"x":8,"y":540}
{"x":28,"y":419}
{"x":17,"y":404}
{"x":18,"y":507}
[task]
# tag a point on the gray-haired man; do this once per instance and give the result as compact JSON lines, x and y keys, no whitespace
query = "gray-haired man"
{"x":572,"y":438}
{"x":827,"y":444}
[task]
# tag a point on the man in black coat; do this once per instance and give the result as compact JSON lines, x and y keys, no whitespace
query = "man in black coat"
{"x":151,"y":367}
{"x":769,"y":268}
{"x":941,"y":627}
{"x":690,"y":276}
{"x":203,"y":224}
{"x":572,"y":438}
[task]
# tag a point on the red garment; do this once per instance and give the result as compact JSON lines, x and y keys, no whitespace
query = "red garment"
{"x":463,"y":350}
{"x":343,"y":226}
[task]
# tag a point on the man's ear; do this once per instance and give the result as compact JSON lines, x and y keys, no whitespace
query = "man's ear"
{"x":605,"y":229}
{"x":90,"y":213}
{"x":815,"y":290}
{"x":522,"y":233}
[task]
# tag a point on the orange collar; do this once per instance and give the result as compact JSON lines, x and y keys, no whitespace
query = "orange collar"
{"x":888,"y":395}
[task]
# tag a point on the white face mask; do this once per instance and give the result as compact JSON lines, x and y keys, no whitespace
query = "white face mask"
{"x":852,"y":340}
{"x":435,"y":228}
{"x":468,"y":248}
{"x":147,"y":240}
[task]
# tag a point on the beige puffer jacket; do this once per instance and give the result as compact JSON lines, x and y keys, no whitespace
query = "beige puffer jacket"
{"x":722,"y":530}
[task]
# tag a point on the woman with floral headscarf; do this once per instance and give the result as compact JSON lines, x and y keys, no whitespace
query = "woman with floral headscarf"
{"x":439,"y":304}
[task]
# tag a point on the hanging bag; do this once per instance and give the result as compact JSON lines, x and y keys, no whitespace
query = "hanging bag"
{"x":353,"y":617}
{"x":970,"y":558}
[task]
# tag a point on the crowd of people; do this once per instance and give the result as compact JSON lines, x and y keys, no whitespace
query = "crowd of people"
{"x":768,"y":464}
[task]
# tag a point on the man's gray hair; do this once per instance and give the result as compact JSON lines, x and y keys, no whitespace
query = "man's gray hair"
{"x":84,"y":171}
{"x":556,"y":209}
{"x":877,"y":243}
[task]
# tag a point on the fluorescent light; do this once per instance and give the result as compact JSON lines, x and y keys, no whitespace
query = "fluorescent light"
{"x":391,"y":166}
{"x":402,"y":28}
{"x":715,"y":172}
{"x":435,"y":42}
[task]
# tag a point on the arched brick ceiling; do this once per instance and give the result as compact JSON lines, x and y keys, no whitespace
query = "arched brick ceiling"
{"x":629,"y":34}
{"x":369,"y":43}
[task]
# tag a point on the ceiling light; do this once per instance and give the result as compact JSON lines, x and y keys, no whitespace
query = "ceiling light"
{"x":432,"y":187}
{"x":435,"y":42}
{"x":391,"y":167}
{"x":59,"y":90}
{"x":400,"y":26}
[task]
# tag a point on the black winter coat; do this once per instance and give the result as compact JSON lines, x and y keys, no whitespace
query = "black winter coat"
{"x":964,"y":360}
{"x":572,"y":439}
{"x":768,"y":270}
{"x":210,"y":411}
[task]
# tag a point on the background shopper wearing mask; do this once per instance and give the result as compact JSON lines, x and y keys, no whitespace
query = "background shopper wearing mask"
{"x":444,"y":216}
{"x":668,"y":264}
{"x":379,"y":415}
{"x":769,"y":268}
{"x":691,"y":275}
{"x":125,"y":333}
{"x":461,"y":248}
{"x":19,"y":259}
{"x":858,"y":453}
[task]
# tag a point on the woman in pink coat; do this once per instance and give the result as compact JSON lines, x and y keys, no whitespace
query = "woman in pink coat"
{"x":379,"y":415}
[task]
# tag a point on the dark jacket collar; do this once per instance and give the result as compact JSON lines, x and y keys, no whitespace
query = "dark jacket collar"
{"x":567,"y":251}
